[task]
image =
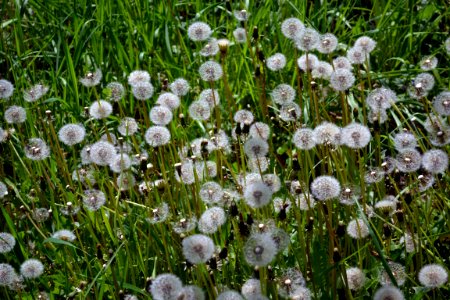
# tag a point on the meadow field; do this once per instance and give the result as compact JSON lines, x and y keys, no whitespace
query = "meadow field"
{"x":189,"y":150}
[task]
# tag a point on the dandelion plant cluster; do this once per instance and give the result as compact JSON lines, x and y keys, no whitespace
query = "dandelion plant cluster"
{"x":280,"y":162}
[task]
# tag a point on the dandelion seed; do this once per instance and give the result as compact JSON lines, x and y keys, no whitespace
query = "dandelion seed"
{"x":257,"y":194}
{"x":210,"y":49}
{"x":433,"y":275}
{"x":143,"y":90}
{"x":356,"y":136}
{"x":303,"y":139}
{"x":117,"y":91}
{"x":381,"y":99}
{"x":36,"y":149}
{"x":290,"y":280}
{"x":101,"y":153}
{"x":325,"y":188}
{"x":159,"y":214}
{"x":276,"y":62}
{"x":240,"y":35}
{"x":210,"y":71}
{"x":397,"y":270}
{"x":7,"y":274}
{"x":327,"y":43}
{"x":256,"y":148}
{"x":198,"y":248}
{"x":31,"y":268}
{"x":180,"y":87}
{"x":211,"y":220}
{"x":199,"y":110}
{"x":290,"y":112}
{"x":409,"y":160}
{"x":388,"y":292}
{"x":243,"y":116}
{"x":15,"y":115}
{"x":166,"y":287}
{"x":327,"y":133}
{"x":342,"y":79}
{"x":211,"y":192}
{"x":323,"y":70}
{"x":307,"y":40}
{"x":435,"y":161}
{"x":251,"y":289}
{"x":3,"y":190}
{"x":355,"y":278}
{"x":7,"y":242}
{"x":441,"y":103}
{"x":35,"y":93}
{"x":157,"y":136}
{"x":342,"y":62}
{"x":357,"y":229}
{"x":292,"y":28}
{"x":307,"y":62}
{"x":428,"y":63}
{"x":92,"y":78}
{"x":65,"y":235}
{"x":138,"y":76}
{"x":366,"y":43}
{"x":199,"y":31}
{"x":356,"y":55}
{"x":229,"y":295}
{"x":71,"y":134}
{"x":6,"y":89}
{"x":260,"y":249}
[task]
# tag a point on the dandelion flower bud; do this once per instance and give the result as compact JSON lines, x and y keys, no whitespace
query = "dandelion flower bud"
{"x":117,"y":91}
{"x":428,"y":63}
{"x":240,"y":35}
{"x":210,"y":71}
{"x":157,"y":136}
{"x":36,"y":149}
{"x":356,"y":136}
{"x":65,"y":235}
{"x":92,"y":78}
{"x":355,"y":278}
{"x":198,"y":248}
{"x":7,"y":242}
{"x":433,"y":275}
{"x":307,"y":62}
{"x":366,"y":44}
{"x":276,"y":62}
{"x":409,"y":160}
{"x":323,"y":70}
{"x":170,"y":100}
{"x":327,"y":43}
{"x":342,"y":62}
{"x":199,"y":31}
{"x":435,"y":161}
{"x":166,"y":287}
{"x":388,"y":292}
{"x":292,"y":28}
{"x":138,"y":76}
{"x":356,"y":55}
{"x":257,"y":194}
{"x":441,"y":103}
{"x":35,"y":93}
{"x":161,"y":115}
{"x":15,"y":115}
{"x":6,"y":89}
{"x":211,"y":220}
{"x":199,"y":110}
{"x":7,"y":274}
{"x":102,"y":153}
{"x":325,"y":188}
{"x":100,"y":109}
{"x":307,"y":40}
{"x":260,"y":249}
{"x":143,"y":90}
{"x":180,"y":87}
{"x":31,"y":268}
{"x":357,"y":229}
{"x":71,"y":134}
{"x":342,"y":79}
{"x":128,"y":126}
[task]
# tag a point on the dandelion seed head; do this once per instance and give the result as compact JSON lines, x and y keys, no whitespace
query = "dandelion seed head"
{"x":292,"y":28}
{"x":199,"y":31}
{"x":210,"y":49}
{"x":388,"y":292}
{"x":397,"y":270}
{"x":342,"y":62}
{"x":301,"y":293}
{"x":435,"y":161}
{"x":7,"y":242}
{"x":289,"y":281}
{"x":128,"y":126}
{"x":35,"y":93}
{"x":290,"y":112}
{"x":356,"y":136}
{"x":15,"y":115}
{"x":260,"y":249}
{"x":157,"y":136}
{"x":3,"y":190}
{"x":257,"y":194}
{"x":307,"y":62}
{"x":349,"y":194}
{"x":198,"y":248}
{"x":40,"y":214}
{"x":138,"y":76}
{"x":180,"y":87}
{"x":211,"y":220}
{"x":381,"y":99}
{"x":165,"y":287}
{"x":211,"y":192}
{"x":256,"y":148}
{"x":409,"y":160}
{"x":241,"y":15}
{"x":327,"y":133}
{"x":31,"y":268}
{"x":251,"y":288}
{"x":199,"y":110}
{"x":303,"y":139}
{"x":91,"y":79}
{"x":117,"y":91}
{"x":404,"y":140}
{"x":327,"y":43}
{"x":355,"y":278}
{"x":240,"y":35}
{"x":6,"y":89}
{"x":100,"y":109}
{"x":210,"y":71}
{"x":409,"y":242}
{"x":161,"y":115}
{"x":433,"y":275}
{"x":36,"y":149}
{"x":125,"y":181}
{"x":325,"y":188}
{"x":323,"y":70}
{"x":272,"y":181}
{"x":143,"y":90}
{"x":428,"y":63}
{"x":229,"y":295}
{"x":65,"y":235}
{"x":243,"y":116}
{"x":94,"y":199}
{"x":191,"y":292}
{"x":258,"y":164}
{"x":423,"y":81}
{"x":307,"y":40}
{"x":184,"y":225}
{"x":356,"y":55}
{"x":260,"y":130}
{"x":342,"y":79}
{"x":159,"y":214}
{"x":441,"y":103}
{"x":276,"y":62}
{"x":357,"y":229}
{"x":304,"y":201}
{"x":374,"y":175}
{"x":210,"y":96}
{"x":375,"y":116}
{"x":71,"y":134}
{"x":366,"y":43}
{"x":101,"y":153}
{"x":7,"y":274}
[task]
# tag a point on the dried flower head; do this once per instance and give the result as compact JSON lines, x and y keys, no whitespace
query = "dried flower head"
{"x":327,"y":133}
{"x":356,"y":136}
{"x":342,"y":79}
{"x":210,"y":49}
{"x":100,"y":109}
{"x":229,"y":295}
{"x":307,"y":40}
{"x":356,"y":55}
{"x":357,"y":229}
{"x":441,"y":103}
{"x":65,"y":235}
{"x":428,"y":63}
{"x":7,"y":274}
{"x":290,"y":112}
{"x":211,"y":220}
{"x":381,"y":99}
{"x":157,"y":136}
{"x":143,"y":90}
{"x":199,"y":110}
{"x":366,"y":43}
{"x":307,"y":62}
{"x":397,"y":270}
{"x":92,"y":78}
{"x":388,"y":292}
{"x":199,"y":31}
{"x":409,"y":160}
{"x":161,"y":115}
{"x":257,"y":194}
{"x":283,"y":93}
{"x":323,"y":70}
{"x":325,"y":188}
{"x":125,"y":181}
{"x":289,"y":281}
{"x":241,"y":15}
{"x":256,"y":148}
{"x":240,"y":35}
{"x":128,"y":126}
{"x":251,"y":288}
{"x":435,"y":161}
{"x":93,"y":199}
{"x":342,"y":62}
{"x":211,"y":192}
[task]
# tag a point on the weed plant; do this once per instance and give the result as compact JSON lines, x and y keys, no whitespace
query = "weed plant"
{"x":224,"y":150}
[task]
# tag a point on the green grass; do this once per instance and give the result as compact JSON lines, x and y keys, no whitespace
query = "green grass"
{"x":116,"y":250}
